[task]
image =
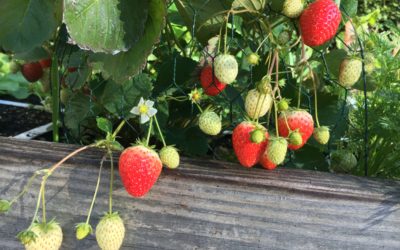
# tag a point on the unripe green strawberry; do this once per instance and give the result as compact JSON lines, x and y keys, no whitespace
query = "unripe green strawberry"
{"x":283,"y":105}
{"x":110,"y":232}
{"x":253,"y":59}
{"x":295,"y":138}
{"x":350,"y":72}
{"x":342,"y":161}
{"x":369,"y":62}
{"x":65,"y":94}
{"x":276,"y":150}
{"x":49,"y":236}
{"x":257,"y":135}
{"x":4,"y":206}
{"x":14,"y":67}
{"x":169,"y":157}
{"x":226,"y":68}
{"x":264,"y":86}
{"x":257,"y":104}
{"x":321,"y":135}
{"x":293,"y":8}
{"x":83,"y":230}
{"x":210,"y":123}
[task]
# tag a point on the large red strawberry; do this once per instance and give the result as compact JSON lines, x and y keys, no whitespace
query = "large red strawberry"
{"x":299,"y":120}
{"x":319,"y":22}
{"x":139,"y":168}
{"x":211,"y":85}
{"x":32,"y":71}
{"x":248,"y":152}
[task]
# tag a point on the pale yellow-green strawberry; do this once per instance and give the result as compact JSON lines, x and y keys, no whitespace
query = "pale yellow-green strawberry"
{"x":226,"y":68}
{"x":293,"y":8}
{"x":48,"y":236}
{"x":350,"y":72}
{"x":210,"y":123}
{"x":257,"y":104}
{"x":110,"y":232}
{"x":253,"y":59}
{"x":277,"y":149}
{"x":169,"y":157}
{"x":83,"y":230}
{"x":321,"y":135}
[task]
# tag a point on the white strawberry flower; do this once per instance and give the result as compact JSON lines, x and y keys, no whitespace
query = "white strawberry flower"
{"x":145,"y":110}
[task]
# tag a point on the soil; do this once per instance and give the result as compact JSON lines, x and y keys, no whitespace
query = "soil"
{"x":16,"y":120}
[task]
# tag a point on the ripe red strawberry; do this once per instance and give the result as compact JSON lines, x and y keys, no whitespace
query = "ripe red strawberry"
{"x":32,"y":71}
{"x":266,"y":162}
{"x":211,"y":85}
{"x":139,"y":168}
{"x":299,"y":120}
{"x":319,"y":22}
{"x":248,"y":152}
{"x":45,"y":63}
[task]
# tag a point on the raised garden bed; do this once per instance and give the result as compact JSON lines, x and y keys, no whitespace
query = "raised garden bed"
{"x":206,"y":204}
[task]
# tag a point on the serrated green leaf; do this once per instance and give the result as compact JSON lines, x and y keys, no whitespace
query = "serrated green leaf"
{"x":105,"y":26}
{"x":349,"y":7}
{"x":185,"y":66}
{"x":26,"y":24}
{"x":207,"y":16}
{"x":127,"y":64}
{"x":121,"y":98}
{"x":250,"y":5}
{"x":80,"y":113}
{"x":104,"y":124}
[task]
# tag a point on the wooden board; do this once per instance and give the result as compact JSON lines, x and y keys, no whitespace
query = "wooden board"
{"x":206,"y":204}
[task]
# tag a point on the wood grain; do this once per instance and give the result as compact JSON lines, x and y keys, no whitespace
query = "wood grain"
{"x":206,"y":204}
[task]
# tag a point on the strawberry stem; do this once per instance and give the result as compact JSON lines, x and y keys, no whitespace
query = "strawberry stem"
{"x":43,"y":199}
{"x":111,"y":180}
{"x":26,"y":188}
{"x":120,"y":126}
{"x":97,"y":188}
{"x":315,"y":96}
{"x":159,"y":131}
{"x":149,"y":131}
{"x":37,"y":205}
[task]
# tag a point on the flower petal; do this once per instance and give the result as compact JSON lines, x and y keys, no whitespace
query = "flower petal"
{"x":141,"y":102}
{"x":151,"y":112}
{"x":135,"y":110}
{"x":144,"y":118}
{"x":149,"y":103}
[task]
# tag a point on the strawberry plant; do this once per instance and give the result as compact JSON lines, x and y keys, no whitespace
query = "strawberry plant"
{"x":247,"y":81}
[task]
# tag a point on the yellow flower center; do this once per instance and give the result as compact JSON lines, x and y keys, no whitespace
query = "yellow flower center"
{"x":143,"y":109}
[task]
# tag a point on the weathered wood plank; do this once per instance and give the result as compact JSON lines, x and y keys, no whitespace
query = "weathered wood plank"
{"x":207,"y":204}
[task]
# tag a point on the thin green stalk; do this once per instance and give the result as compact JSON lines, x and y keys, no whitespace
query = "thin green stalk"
{"x":43,"y":199}
{"x":112,"y":180}
{"x":149,"y":131}
{"x":315,"y":99}
{"x":159,"y":131}
{"x":120,"y":126}
{"x":26,"y":188}
{"x":276,"y":118}
{"x":198,"y":106}
{"x":95,"y":191}
{"x":37,"y":205}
